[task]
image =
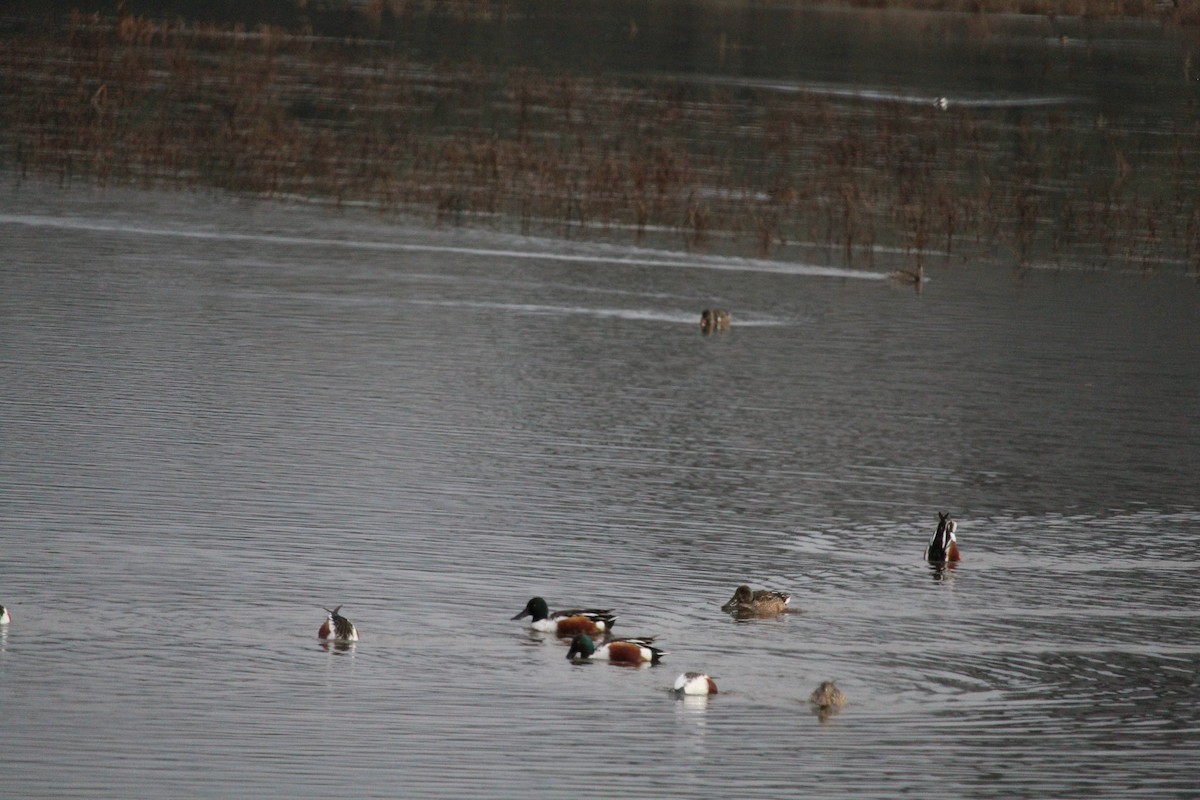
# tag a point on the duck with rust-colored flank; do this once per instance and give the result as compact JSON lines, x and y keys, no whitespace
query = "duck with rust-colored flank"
{"x":635,"y":650}
{"x":591,"y":621}
{"x":943,"y":547}
{"x":337,"y":628}
{"x":757,"y":603}
{"x":714,"y":319}
{"x":695,"y":683}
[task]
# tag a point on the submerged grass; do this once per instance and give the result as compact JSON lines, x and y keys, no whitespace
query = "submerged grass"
{"x":285,"y":113}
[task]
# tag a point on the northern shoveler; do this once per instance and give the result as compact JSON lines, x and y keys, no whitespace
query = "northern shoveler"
{"x":763,"y":602}
{"x":827,"y":696}
{"x":638,"y":650}
{"x":4,"y":617}
{"x":695,"y":683}
{"x":338,"y":628}
{"x":567,"y":623}
{"x":943,"y":547}
{"x":714,"y":319}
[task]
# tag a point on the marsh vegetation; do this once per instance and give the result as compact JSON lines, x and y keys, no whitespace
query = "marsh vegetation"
{"x":715,"y":162}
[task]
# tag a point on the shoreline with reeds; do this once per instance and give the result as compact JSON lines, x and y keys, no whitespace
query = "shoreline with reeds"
{"x":739,"y":167}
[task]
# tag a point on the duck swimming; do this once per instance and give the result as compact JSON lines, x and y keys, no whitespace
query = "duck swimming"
{"x":827,"y":696}
{"x":567,"y":623}
{"x":761,"y":602}
{"x":636,"y":650}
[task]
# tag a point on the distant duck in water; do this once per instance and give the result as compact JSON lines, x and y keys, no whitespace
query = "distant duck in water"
{"x":4,"y":617}
{"x":757,"y":603}
{"x":695,"y":683}
{"x":714,"y":319}
{"x":337,"y":628}
{"x":567,"y":623}
{"x":639,"y":650}
{"x":912,"y":277}
{"x":827,"y":697}
{"x":943,"y":547}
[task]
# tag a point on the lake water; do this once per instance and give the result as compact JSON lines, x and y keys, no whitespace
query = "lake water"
{"x":220,"y":415}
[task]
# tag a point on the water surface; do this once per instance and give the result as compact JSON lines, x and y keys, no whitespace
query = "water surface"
{"x":220,"y":415}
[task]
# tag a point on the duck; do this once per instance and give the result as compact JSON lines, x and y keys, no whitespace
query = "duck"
{"x":567,"y":623}
{"x":695,"y":683}
{"x":4,"y":617}
{"x":827,"y":697}
{"x":714,"y":319}
{"x":761,"y":602}
{"x":635,"y":650}
{"x":338,"y":628}
{"x":943,"y":547}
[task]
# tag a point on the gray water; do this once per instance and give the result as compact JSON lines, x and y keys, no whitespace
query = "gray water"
{"x":220,"y":415}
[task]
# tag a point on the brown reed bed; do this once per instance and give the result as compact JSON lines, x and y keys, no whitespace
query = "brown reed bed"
{"x":280,"y":113}
{"x":1185,"y":13}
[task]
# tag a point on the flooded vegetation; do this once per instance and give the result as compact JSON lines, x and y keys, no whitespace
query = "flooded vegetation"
{"x":1066,"y":157}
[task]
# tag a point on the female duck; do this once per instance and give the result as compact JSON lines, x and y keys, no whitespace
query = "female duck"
{"x":567,"y":623}
{"x":827,"y":697}
{"x":639,"y":650}
{"x":763,"y":602}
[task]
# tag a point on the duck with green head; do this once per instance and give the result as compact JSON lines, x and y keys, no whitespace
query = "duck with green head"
{"x":635,"y":650}
{"x":592,"y":621}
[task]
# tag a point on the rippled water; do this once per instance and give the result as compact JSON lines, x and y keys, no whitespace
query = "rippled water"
{"x":219,"y":416}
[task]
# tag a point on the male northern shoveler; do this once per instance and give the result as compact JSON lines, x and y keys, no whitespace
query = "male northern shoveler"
{"x":827,"y":696}
{"x":4,"y":617}
{"x":943,"y":547}
{"x":567,"y":623}
{"x":763,"y":602}
{"x":338,"y":628}
{"x":638,"y":650}
{"x":714,"y":319}
{"x":695,"y":683}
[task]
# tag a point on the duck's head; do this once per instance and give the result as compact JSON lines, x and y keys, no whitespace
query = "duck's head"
{"x":581,"y":646}
{"x":743,"y":595}
{"x":536,"y":608}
